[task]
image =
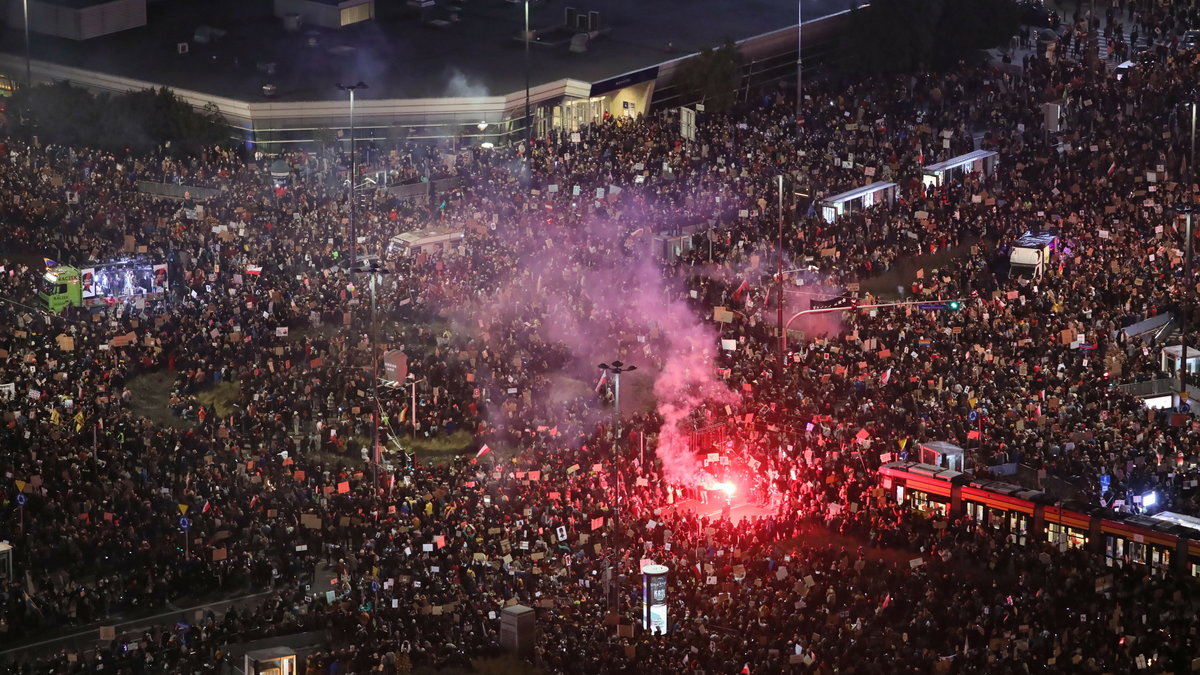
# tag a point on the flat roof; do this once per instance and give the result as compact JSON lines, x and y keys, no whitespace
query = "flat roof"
{"x":960,"y":160}
{"x":398,"y":55}
{"x":75,"y":4}
{"x":858,"y":192}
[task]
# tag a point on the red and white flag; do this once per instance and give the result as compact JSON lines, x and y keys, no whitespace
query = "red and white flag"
{"x":603,"y":379}
{"x":483,"y":451}
{"x":741,"y":289}
{"x":254,"y":269}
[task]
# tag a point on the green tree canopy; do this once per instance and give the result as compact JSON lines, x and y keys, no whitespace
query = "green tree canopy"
{"x":138,"y":120}
{"x":712,"y":77}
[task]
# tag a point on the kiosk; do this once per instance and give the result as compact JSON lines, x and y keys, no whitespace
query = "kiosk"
{"x":857,"y":200}
{"x":980,"y":161}
{"x":654,"y":599}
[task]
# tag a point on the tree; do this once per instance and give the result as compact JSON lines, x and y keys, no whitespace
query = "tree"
{"x":712,"y":77}
{"x":324,"y":137}
{"x":137,"y":121}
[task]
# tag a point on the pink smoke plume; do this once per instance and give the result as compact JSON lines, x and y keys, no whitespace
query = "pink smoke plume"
{"x":686,"y":383}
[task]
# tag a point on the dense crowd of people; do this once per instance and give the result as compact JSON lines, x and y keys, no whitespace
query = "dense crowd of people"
{"x":554,"y":273}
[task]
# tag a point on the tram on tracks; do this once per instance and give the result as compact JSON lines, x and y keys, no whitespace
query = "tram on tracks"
{"x":1164,"y":541}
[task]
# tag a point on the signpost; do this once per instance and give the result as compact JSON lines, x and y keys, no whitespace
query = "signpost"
{"x":185,"y":524}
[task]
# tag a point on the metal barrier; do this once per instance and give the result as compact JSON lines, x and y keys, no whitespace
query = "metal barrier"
{"x":415,"y":191}
{"x":709,"y":439}
{"x":174,"y":191}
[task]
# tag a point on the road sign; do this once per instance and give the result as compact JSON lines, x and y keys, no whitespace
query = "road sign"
{"x":375,"y":586}
{"x":183,"y":509}
{"x":974,"y":415}
{"x":20,"y":485}
{"x":184,"y":523}
{"x":21,"y":500}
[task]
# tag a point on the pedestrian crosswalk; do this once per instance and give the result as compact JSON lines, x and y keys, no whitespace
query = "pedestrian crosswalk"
{"x":1114,"y":59}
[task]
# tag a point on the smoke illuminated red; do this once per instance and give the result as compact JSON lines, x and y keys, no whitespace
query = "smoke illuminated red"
{"x":729,"y":489}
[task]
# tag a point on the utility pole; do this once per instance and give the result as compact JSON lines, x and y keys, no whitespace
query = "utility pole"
{"x":799,"y":56}
{"x":353,"y":171}
{"x":779,"y":282}
{"x":615,"y":369}
{"x":28,"y":67}
{"x":1188,"y":207}
{"x":528,"y":119}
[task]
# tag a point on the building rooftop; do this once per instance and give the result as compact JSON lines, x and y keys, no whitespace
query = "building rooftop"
{"x":401,"y":54}
{"x":75,"y":4}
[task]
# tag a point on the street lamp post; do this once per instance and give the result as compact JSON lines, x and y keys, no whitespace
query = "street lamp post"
{"x":413,"y":382}
{"x":28,"y":68}
{"x":374,"y":270}
{"x":779,"y":281}
{"x":826,"y":310}
{"x":799,"y":54}
{"x":615,"y":369}
{"x":1186,"y":208}
{"x":528,"y":119}
{"x":353,"y":170}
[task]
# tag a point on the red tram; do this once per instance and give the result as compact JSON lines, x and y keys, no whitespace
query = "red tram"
{"x":1165,"y":541}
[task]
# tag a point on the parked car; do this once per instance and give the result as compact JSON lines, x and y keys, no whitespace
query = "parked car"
{"x":1035,"y":13}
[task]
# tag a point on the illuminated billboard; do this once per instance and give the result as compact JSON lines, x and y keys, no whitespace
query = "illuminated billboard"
{"x":124,"y":279}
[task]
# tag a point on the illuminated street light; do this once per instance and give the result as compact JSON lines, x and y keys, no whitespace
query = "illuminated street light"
{"x":353,"y":169}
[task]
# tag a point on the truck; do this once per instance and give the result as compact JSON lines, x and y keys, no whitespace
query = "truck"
{"x":425,"y":241}
{"x":99,"y":284}
{"x":1030,"y":254}
{"x":61,"y":287}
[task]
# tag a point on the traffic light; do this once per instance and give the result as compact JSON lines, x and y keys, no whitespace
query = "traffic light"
{"x":952,"y":305}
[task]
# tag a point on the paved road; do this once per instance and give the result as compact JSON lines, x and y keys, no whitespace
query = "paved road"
{"x":85,"y":638}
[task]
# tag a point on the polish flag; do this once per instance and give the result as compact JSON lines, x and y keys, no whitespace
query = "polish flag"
{"x":483,"y":451}
{"x":254,"y":269}
{"x":603,"y":379}
{"x":741,"y":289}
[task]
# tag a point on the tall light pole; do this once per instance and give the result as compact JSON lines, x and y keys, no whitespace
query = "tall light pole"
{"x":353,"y":170}
{"x":615,"y":369}
{"x":799,"y":54}
{"x":779,"y":281}
{"x":1187,"y":208}
{"x":413,"y":382}
{"x":528,"y":120}
{"x":28,"y":68}
{"x":374,"y":269}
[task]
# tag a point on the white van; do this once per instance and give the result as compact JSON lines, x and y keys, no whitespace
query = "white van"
{"x":425,"y":241}
{"x":1030,"y":254}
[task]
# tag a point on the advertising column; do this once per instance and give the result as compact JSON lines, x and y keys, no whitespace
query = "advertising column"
{"x":654,"y":599}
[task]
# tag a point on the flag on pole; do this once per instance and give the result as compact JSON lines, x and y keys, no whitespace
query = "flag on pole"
{"x":50,"y":263}
{"x":741,"y":289}
{"x":483,"y":451}
{"x":254,"y":269}
{"x":603,"y":379}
